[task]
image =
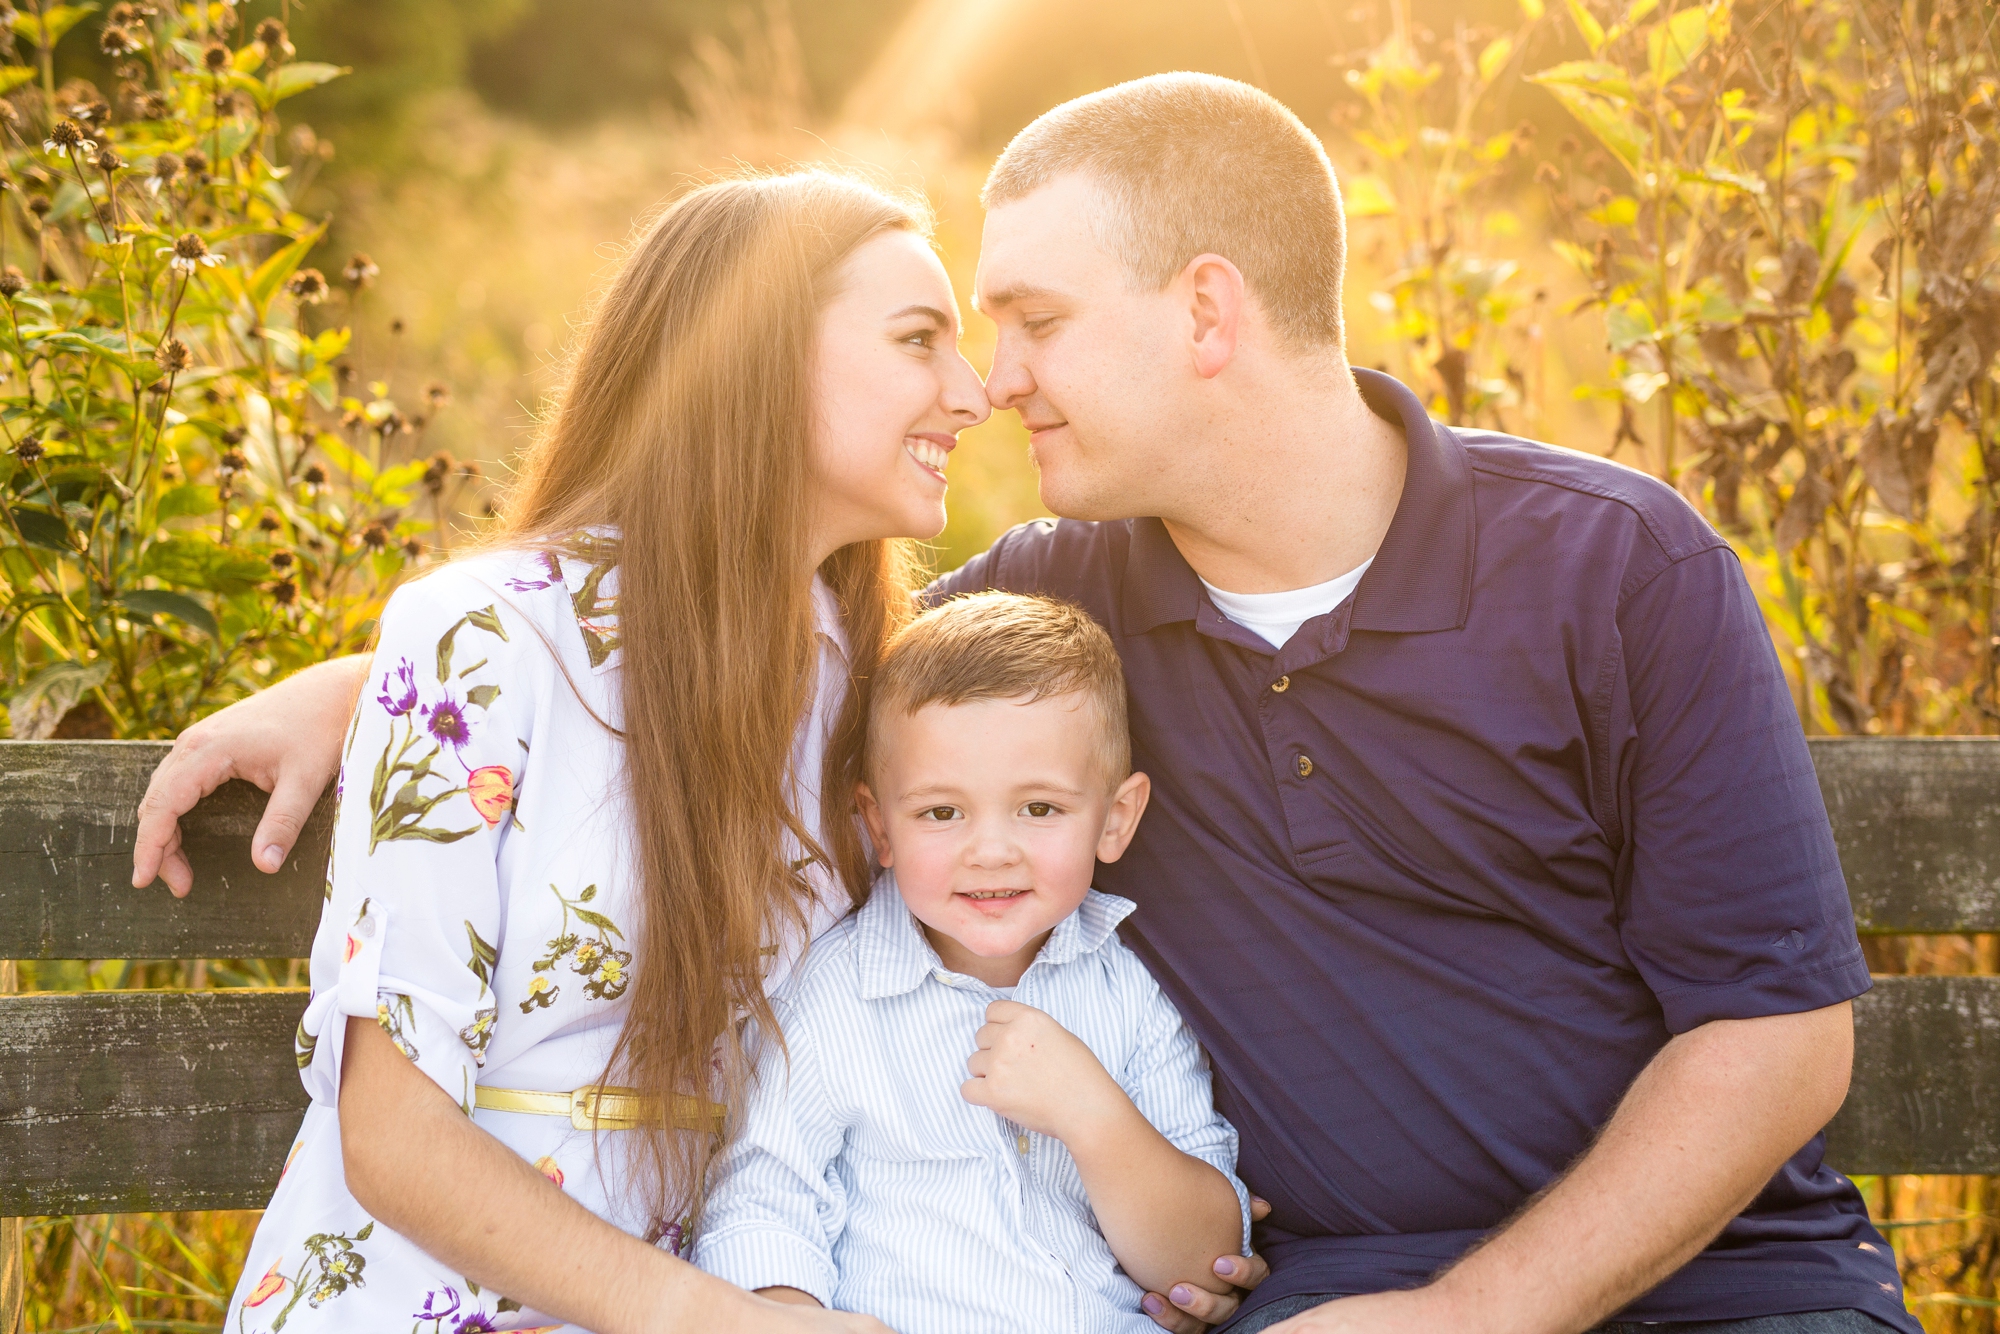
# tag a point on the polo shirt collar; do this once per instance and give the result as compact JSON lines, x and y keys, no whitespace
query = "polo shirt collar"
{"x":1422,"y":576}
{"x":894,"y":958}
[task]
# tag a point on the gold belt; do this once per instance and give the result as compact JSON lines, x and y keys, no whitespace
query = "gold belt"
{"x":599,"y":1108}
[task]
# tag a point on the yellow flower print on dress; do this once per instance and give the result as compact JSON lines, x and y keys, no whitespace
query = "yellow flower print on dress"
{"x":603,"y":966}
{"x":333,"y":1264}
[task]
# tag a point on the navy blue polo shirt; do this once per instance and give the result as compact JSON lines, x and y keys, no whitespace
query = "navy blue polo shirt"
{"x":1433,"y":882}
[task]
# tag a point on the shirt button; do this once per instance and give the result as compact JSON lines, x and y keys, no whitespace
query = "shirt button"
{"x":1281,"y":685}
{"x":1305,"y":766}
{"x":1021,"y":1143}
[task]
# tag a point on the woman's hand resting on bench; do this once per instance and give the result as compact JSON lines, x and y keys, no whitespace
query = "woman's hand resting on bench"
{"x":286,"y":740}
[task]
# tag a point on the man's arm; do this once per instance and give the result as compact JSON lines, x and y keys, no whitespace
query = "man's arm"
{"x":286,"y":740}
{"x":409,"y":1152}
{"x":1165,"y":1213}
{"x":1698,"y":1135}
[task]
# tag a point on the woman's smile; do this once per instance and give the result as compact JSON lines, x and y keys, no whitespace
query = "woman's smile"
{"x":930,"y":449}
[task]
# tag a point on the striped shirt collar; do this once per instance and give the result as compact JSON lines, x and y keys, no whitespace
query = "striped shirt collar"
{"x":894,"y":958}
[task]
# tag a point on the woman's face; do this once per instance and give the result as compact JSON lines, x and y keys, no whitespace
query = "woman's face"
{"x":890,"y":395}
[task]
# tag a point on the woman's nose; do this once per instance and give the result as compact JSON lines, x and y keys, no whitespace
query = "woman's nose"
{"x":965,"y":396}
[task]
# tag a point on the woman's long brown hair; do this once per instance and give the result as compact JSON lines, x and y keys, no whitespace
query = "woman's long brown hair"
{"x":683,"y":423}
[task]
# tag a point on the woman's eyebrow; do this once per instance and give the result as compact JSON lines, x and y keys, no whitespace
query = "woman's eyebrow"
{"x":943,"y":319}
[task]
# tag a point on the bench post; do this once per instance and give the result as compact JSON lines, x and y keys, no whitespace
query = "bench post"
{"x":13,"y":1236}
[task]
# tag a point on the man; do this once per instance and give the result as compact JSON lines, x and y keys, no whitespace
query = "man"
{"x":1488,"y":862}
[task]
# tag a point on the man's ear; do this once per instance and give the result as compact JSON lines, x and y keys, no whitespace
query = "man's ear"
{"x":878,"y":825}
{"x":1128,"y":803}
{"x":1214,"y":291}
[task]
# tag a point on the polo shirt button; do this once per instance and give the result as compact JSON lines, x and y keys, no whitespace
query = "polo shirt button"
{"x":1281,"y":685}
{"x":1305,"y":766}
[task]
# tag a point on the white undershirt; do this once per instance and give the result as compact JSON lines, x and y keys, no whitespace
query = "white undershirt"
{"x":1276,"y":617}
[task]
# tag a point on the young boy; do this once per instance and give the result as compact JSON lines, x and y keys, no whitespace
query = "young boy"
{"x":1082,"y":1163}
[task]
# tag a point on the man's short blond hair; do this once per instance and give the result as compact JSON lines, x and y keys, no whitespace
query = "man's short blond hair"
{"x":1002,"y":646}
{"x":1192,"y":164}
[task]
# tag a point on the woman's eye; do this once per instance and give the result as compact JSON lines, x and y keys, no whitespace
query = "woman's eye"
{"x":1038,"y":809}
{"x":927,"y":339}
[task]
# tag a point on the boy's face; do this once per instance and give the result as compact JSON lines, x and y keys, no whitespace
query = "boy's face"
{"x":994,"y":814}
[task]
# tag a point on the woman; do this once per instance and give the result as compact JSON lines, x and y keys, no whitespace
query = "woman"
{"x":579,"y":829}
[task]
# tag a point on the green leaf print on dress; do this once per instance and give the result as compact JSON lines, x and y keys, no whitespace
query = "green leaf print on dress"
{"x":603,"y":966}
{"x":445,"y":723}
{"x":332,"y":1266}
{"x":395,"y":1014}
{"x":596,"y":615}
{"x":479,"y":1032}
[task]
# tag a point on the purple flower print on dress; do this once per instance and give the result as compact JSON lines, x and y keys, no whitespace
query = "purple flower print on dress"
{"x":447,"y":722}
{"x":477,"y":1323}
{"x":537,"y":585}
{"x":439,"y":1305}
{"x":400,"y":697}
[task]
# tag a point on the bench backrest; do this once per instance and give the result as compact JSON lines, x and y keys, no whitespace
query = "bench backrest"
{"x":126,"y":1101}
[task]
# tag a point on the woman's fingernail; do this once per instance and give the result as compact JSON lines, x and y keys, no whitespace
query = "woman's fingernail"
{"x":1152,"y":1304}
{"x":1182,"y":1294}
{"x":1226,"y":1266}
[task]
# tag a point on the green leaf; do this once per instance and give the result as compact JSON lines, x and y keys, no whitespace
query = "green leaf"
{"x":1619,"y":211}
{"x":1628,"y":325}
{"x":483,"y":696}
{"x":1368,"y":197}
{"x":484,"y":957}
{"x":49,"y":28}
{"x":1672,"y":46}
{"x":160,"y":602}
{"x":598,"y":920}
{"x":589,"y":893}
{"x":1495,"y":57}
{"x":348,"y":461}
{"x":39,"y":528}
{"x":1607,"y":120}
{"x":488,"y":619}
{"x":293,"y":79}
{"x":1587,"y":25}
{"x":50,"y":693}
{"x":275,"y":271}
{"x":197,"y":562}
{"x":1592,"y":75}
{"x":13,"y":76}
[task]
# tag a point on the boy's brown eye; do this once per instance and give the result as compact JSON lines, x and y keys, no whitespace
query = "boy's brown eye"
{"x":1040,"y":808}
{"x":941,"y":812}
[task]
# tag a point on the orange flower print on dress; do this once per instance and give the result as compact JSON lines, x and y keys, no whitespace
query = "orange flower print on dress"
{"x":270,"y":1285}
{"x":548,"y":1167}
{"x":492,"y":790}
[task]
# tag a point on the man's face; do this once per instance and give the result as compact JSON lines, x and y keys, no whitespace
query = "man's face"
{"x":1096,"y":368}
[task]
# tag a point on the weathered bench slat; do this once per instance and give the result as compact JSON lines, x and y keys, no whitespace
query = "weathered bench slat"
{"x":1917,"y":821}
{"x":67,"y":824}
{"x":1926,"y":1092}
{"x":126,"y":1101}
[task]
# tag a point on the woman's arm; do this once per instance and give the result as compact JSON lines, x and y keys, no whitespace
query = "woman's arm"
{"x":1165,"y":1213}
{"x":286,"y":740}
{"x":416,"y":1162}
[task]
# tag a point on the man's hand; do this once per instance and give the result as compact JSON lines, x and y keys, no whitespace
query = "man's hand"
{"x":1038,"y":1074}
{"x":1419,"y":1312}
{"x":286,"y":740}
{"x":1189,"y":1308}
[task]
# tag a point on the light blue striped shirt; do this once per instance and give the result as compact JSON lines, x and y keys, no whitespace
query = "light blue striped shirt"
{"x":862,"y":1177}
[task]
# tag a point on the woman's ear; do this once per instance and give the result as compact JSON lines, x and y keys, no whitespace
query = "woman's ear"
{"x":1128,"y":803}
{"x":878,"y":826}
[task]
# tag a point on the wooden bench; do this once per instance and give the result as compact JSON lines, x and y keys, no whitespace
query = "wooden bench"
{"x":135,"y":1101}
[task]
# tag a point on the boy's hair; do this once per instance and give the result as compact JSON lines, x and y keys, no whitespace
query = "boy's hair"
{"x":1192,"y":164}
{"x":1002,"y":646}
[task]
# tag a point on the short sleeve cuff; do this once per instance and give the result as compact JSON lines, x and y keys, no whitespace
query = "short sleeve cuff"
{"x":1779,"y":991}
{"x":765,"y":1257}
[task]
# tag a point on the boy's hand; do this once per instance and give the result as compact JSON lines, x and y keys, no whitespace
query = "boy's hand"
{"x":1038,"y":1074}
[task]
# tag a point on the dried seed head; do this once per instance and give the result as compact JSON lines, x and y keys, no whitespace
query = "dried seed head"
{"x":315,"y":476}
{"x":375,"y":537}
{"x":437,"y":393}
{"x":393,"y":425}
{"x":352,"y":420}
{"x":360,"y":271}
{"x":92,"y":113}
{"x":108,"y":159}
{"x":396,"y":326}
{"x":282,"y":561}
{"x":470,"y":468}
{"x":190,"y":247}
{"x":30,"y":449}
{"x":1549,"y":174}
{"x":153,"y":105}
{"x":439,"y":468}
{"x":12,"y":282}
{"x":118,"y":41}
{"x":309,"y":286}
{"x":196,"y":162}
{"x":122,"y":13}
{"x":39,"y":206}
{"x":166,"y":167}
{"x":173,"y":355}
{"x":215,"y":58}
{"x":413,"y":549}
{"x":233,"y":435}
{"x":345,"y":372}
{"x":232,"y":460}
{"x":284,"y":592}
{"x":67,"y":135}
{"x":268,"y":522}
{"x":272,"y":37}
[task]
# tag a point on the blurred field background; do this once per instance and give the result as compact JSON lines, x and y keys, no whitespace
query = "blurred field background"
{"x":489,"y":157}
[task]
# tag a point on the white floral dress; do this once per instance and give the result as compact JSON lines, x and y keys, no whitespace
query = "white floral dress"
{"x":478,"y":907}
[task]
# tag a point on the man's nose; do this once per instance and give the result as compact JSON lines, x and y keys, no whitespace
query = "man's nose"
{"x":1008,"y":384}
